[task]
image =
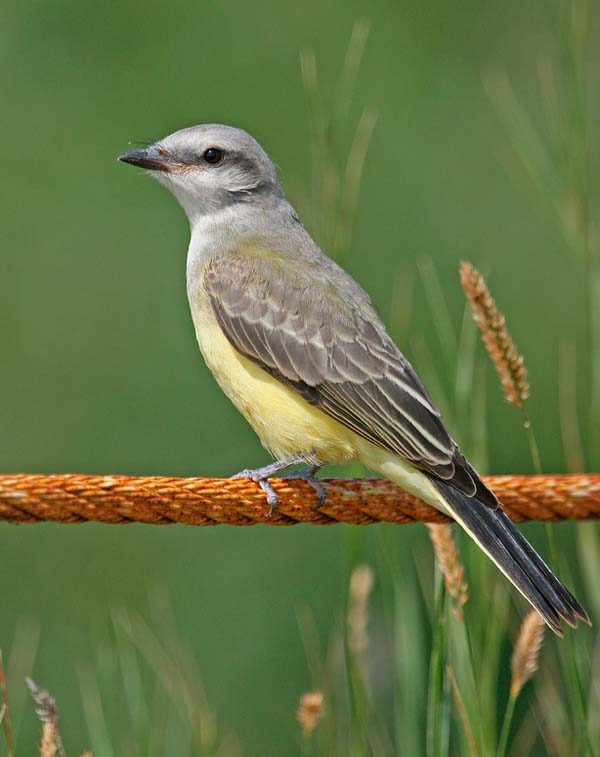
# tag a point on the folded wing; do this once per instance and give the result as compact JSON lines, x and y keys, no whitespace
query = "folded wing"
{"x":332,"y":348}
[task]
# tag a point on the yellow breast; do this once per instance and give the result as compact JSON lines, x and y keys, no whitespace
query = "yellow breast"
{"x":286,"y":424}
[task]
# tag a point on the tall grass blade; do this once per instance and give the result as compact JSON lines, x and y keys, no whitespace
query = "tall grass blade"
{"x":336,"y":182}
{"x":131,"y":674}
{"x":464,"y":382}
{"x":410,"y":658}
{"x":478,"y":452}
{"x":19,"y":665}
{"x":492,"y":620}
{"x":93,"y":711}
{"x":400,"y":311}
{"x":594,"y":695}
{"x":442,"y":320}
{"x":6,"y":726}
{"x":588,"y":549}
{"x":464,"y":671}
{"x":567,"y":395}
{"x":425,"y":364}
{"x":524,"y":138}
{"x":352,"y":180}
{"x":462,"y":711}
{"x":438,"y":706}
{"x":350,"y":70}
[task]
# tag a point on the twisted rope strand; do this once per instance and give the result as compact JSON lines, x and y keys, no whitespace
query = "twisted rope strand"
{"x":159,"y":500}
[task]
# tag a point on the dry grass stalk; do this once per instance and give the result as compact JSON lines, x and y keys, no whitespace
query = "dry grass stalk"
{"x":310,"y":711}
{"x":48,"y":747}
{"x":361,"y":585}
{"x":524,"y":661}
{"x":462,"y":711}
{"x":448,"y":557}
{"x":47,"y":712}
{"x":498,"y":342}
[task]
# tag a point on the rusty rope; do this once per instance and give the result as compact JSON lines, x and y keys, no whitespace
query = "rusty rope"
{"x":74,"y":498}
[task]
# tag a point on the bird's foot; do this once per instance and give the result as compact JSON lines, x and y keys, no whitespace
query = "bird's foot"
{"x":272,"y":496}
{"x":260,"y":476}
{"x":308,"y":474}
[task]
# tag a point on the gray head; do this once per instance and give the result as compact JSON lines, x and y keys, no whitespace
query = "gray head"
{"x":209,"y":168}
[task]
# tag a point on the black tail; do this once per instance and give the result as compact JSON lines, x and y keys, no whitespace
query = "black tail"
{"x":501,"y":540}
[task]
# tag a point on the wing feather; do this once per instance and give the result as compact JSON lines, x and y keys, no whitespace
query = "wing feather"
{"x":334,"y":350}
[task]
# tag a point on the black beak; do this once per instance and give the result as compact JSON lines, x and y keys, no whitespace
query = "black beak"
{"x":151,"y":158}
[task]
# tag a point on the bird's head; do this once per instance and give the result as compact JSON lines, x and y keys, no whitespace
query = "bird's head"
{"x":209,"y":168}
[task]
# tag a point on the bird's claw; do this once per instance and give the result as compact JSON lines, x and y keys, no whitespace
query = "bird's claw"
{"x":308,"y":474}
{"x":272,"y":498}
{"x":258,"y":476}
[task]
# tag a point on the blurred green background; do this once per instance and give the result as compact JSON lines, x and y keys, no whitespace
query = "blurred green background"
{"x":100,"y":370}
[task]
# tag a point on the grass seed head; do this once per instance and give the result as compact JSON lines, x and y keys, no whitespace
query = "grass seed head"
{"x":49,"y":745}
{"x":310,"y":711}
{"x":524,"y":661}
{"x":448,"y":558}
{"x":47,"y":712}
{"x":361,"y":586}
{"x":509,"y":364}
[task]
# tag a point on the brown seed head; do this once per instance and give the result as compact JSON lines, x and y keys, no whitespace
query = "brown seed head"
{"x":448,"y":558}
{"x":524,"y":661}
{"x":498,"y":342}
{"x":47,"y":712}
{"x":361,"y":585}
{"x":310,"y":711}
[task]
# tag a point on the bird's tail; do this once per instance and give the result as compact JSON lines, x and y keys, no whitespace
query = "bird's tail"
{"x":504,"y":544}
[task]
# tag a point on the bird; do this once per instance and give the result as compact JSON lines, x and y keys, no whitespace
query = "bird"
{"x":301,"y":350}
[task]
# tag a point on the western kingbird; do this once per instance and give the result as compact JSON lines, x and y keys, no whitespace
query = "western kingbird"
{"x":299,"y":348}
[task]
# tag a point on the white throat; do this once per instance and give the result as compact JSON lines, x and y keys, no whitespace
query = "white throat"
{"x":211,"y":234}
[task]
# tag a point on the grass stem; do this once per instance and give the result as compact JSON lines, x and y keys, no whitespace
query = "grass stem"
{"x":506,"y":724}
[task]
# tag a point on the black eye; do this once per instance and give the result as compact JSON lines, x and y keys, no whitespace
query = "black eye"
{"x":213,"y":155}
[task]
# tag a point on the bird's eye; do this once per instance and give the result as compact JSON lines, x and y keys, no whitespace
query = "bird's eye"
{"x":213,"y":155}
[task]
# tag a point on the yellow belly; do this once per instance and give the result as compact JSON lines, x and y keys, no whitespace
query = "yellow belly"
{"x":286,"y":424}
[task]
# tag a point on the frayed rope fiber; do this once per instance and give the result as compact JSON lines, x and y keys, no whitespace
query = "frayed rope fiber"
{"x":74,"y":498}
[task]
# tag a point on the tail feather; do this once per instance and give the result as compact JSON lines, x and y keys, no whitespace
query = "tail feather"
{"x":506,"y":546}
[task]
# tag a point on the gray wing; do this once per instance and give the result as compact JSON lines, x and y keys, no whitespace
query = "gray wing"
{"x":327,"y":342}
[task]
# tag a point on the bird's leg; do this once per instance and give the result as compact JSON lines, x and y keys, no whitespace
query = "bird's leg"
{"x":261,"y":477}
{"x":308,"y":474}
